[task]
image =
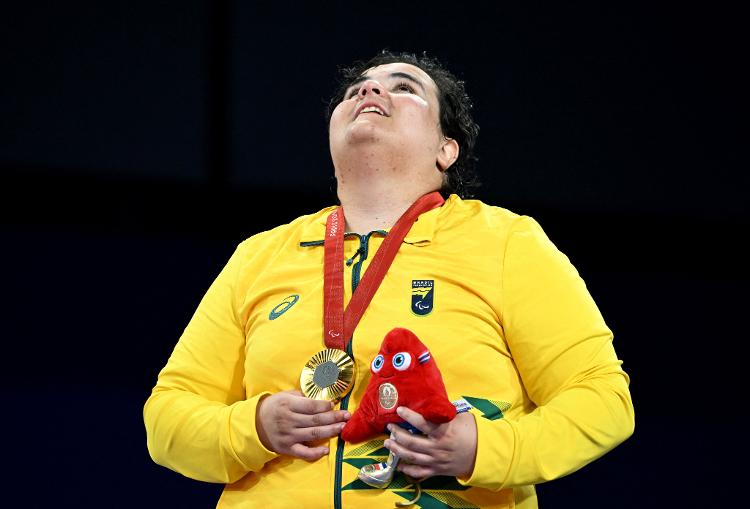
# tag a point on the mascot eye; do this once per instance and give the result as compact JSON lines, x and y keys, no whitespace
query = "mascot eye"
{"x":402,"y":361}
{"x":377,"y":363}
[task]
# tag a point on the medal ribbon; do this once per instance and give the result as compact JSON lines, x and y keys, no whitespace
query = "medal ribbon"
{"x":339,"y":324}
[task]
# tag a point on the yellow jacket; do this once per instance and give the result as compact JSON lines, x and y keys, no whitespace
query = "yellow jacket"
{"x":505,"y":315}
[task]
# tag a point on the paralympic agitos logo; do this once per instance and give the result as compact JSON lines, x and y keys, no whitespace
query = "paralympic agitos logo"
{"x":422,"y":296}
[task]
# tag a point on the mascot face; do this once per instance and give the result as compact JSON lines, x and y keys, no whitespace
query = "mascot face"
{"x":400,"y":354}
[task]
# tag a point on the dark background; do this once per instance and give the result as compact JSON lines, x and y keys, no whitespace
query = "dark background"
{"x":141,"y":141}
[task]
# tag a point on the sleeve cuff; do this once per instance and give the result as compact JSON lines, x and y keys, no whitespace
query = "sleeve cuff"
{"x":243,"y":435}
{"x":495,"y":448}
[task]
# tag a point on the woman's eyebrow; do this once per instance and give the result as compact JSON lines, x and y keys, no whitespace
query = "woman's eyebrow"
{"x":409,"y":77}
{"x":398,"y":74}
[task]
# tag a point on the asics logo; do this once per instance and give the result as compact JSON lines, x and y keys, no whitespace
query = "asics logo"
{"x":283,"y":306}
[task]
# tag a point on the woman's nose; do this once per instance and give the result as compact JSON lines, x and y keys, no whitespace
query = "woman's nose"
{"x":370,"y":87}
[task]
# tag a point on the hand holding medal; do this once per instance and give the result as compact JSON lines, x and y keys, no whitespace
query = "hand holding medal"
{"x":289,"y":423}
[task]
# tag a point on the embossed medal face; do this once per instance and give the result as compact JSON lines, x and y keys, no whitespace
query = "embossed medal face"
{"x":387,"y":395}
{"x":328,"y":375}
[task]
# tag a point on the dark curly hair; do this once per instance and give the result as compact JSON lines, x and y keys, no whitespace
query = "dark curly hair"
{"x":455,"y":113}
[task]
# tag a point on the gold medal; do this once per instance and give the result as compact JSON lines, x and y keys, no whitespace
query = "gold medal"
{"x":387,"y":396}
{"x":328,"y":375}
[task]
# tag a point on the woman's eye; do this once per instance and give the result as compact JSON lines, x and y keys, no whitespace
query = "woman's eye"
{"x":377,"y":363}
{"x":404,"y":87}
{"x":351,"y":93}
{"x":402,"y":361}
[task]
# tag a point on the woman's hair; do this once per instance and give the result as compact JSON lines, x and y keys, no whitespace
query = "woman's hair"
{"x":456,"y":121}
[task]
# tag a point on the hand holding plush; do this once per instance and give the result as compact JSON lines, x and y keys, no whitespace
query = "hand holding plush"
{"x":403,"y":374}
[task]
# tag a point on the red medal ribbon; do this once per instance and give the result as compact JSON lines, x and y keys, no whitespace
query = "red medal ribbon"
{"x":338,"y":324}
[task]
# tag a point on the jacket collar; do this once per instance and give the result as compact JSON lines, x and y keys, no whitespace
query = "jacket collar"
{"x":421,"y":233}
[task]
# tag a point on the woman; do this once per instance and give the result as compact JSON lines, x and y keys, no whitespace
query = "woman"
{"x":509,"y":321}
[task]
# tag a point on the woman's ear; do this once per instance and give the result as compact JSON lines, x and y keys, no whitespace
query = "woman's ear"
{"x":448,"y":154}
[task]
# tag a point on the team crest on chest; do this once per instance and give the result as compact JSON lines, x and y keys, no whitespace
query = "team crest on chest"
{"x":422,"y":296}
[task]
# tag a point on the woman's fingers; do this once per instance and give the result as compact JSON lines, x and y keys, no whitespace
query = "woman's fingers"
{"x":416,"y":443}
{"x":450,"y":449}
{"x":416,"y":471}
{"x":317,"y":432}
{"x":416,"y":420}
{"x":308,"y":453}
{"x":321,"y":419}
{"x":408,"y":455}
{"x":287,"y":420}
{"x":302,"y":405}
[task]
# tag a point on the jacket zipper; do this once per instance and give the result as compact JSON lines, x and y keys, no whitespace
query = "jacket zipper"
{"x":356,"y":273}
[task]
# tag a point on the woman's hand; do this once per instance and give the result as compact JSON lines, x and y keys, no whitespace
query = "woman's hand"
{"x":287,"y":420}
{"x":447,"y":449}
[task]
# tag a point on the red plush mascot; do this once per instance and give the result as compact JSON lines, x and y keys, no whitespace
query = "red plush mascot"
{"x":403,"y":374}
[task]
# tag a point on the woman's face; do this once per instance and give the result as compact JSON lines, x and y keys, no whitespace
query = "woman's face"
{"x":393,"y":104}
